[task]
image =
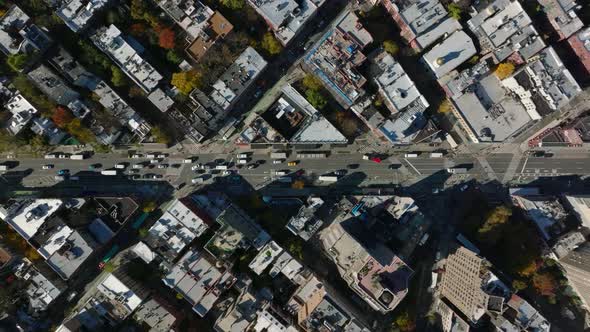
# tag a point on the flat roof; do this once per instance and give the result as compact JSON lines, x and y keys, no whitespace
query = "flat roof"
{"x":71,"y":255}
{"x":29,"y":218}
{"x":265,"y":257}
{"x":155,"y":315}
{"x":77,"y":13}
{"x":351,"y":25}
{"x":116,"y":291}
{"x":449,"y":54}
{"x":13,"y":19}
{"x":172,"y":232}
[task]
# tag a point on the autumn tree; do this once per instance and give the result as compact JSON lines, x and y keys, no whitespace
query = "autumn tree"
{"x":298,"y":184}
{"x":270,"y":44}
{"x":61,"y":116}
{"x":455,"y":11}
{"x":544,"y":284}
{"x":490,"y":231}
{"x":186,"y":81}
{"x":445,"y":107}
{"x":166,"y":38}
{"x":405,"y":322}
{"x":137,"y":29}
{"x":504,"y":70}
{"x":519,"y":285}
{"x":391,"y":47}
{"x":76,"y":129}
{"x":160,"y":136}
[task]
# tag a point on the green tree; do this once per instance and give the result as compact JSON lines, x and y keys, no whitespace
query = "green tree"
{"x":455,"y":11}
{"x":138,"y":9}
{"x":173,"y":57}
{"x":117,"y":77}
{"x":405,"y":322}
{"x":149,"y":206}
{"x":491,"y":229}
{"x":311,"y":82}
{"x":83,"y":134}
{"x":17,"y":61}
{"x":270,"y":44}
{"x":391,"y":47}
{"x":296,"y":249}
{"x":113,"y":17}
{"x":519,"y":285}
{"x":9,"y":142}
{"x":143,"y":232}
{"x":316,"y":99}
{"x":33,"y":95}
{"x":232,"y":4}
{"x":160,"y":136}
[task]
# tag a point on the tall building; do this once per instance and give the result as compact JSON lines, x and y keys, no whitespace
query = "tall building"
{"x":577,"y":267}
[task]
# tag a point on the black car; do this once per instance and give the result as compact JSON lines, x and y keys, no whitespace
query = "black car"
{"x":353,"y":166}
{"x":148,"y":176}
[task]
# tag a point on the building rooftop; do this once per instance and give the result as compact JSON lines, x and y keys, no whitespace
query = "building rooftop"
{"x":503,"y":28}
{"x":306,"y":223}
{"x":40,"y":290}
{"x":567,"y":242}
{"x":22,"y":113}
{"x":76,"y":14}
{"x":239,"y":316}
{"x":397,"y":88}
{"x":13,"y":20}
{"x":53,"y":86}
{"x":122,"y":297}
{"x":218,"y":27}
{"x":27,"y":216}
{"x":449,"y":54}
{"x":326,"y":313}
{"x":159,"y":98}
{"x":45,"y":127}
{"x":335,"y":57}
{"x":580,"y":43}
{"x":550,"y":80}
{"x":265,"y":257}
{"x":191,"y":15}
{"x":286,"y":18}
{"x":155,"y":315}
{"x":179,"y":225}
{"x":299,"y":122}
{"x":127,"y":57}
{"x":580,"y":207}
{"x":237,"y":78}
{"x":562,"y":16}
{"x":70,"y":256}
{"x":545,"y":212}
{"x":450,"y":321}
{"x":198,"y":280}
{"x":237,"y":219}
{"x":577,"y":266}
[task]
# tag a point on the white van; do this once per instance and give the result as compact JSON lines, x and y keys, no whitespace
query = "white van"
{"x":281,"y":173}
{"x":120,"y":166}
{"x":197,"y":180}
{"x":138,"y":166}
{"x":221,"y":167}
{"x":188,"y":161}
{"x":277,"y":161}
{"x":242,"y":155}
{"x":242,"y":161}
{"x":411,"y":155}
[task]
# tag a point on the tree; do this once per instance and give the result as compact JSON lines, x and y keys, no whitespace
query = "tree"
{"x":137,"y":29}
{"x":9,"y":142}
{"x":473,"y":60}
{"x":81,"y":133}
{"x":173,"y":57}
{"x":61,"y":116}
{"x":166,"y":38}
{"x":455,"y":11}
{"x":186,"y":81}
{"x":311,"y":82}
{"x":117,"y":77}
{"x":17,"y":61}
{"x":233,"y":4}
{"x":391,"y":47}
{"x":404,"y":322}
{"x":270,"y":44}
{"x":138,"y":9}
{"x":445,"y":107}
{"x":296,"y":249}
{"x":298,"y":184}
{"x":491,"y":229}
{"x":113,"y":17}
{"x":528,"y":269}
{"x":160,"y":136}
{"x":544,"y":284}
{"x":143,"y":232}
{"x":149,"y":206}
{"x":504,"y":70}
{"x":316,"y":99}
{"x":519,"y":285}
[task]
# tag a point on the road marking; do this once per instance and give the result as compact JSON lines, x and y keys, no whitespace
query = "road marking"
{"x":524,"y":165}
{"x":409,"y":163}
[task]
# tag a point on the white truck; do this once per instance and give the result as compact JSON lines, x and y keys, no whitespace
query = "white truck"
{"x":50,"y":156}
{"x":411,"y":155}
{"x":281,"y":173}
{"x":221,"y":167}
{"x":457,"y":170}
{"x":109,"y":172}
{"x":188,"y":161}
{"x":78,"y":156}
{"x":278,"y":155}
{"x":436,"y":155}
{"x":242,"y":155}
{"x":328,"y":178}
{"x":242,"y":161}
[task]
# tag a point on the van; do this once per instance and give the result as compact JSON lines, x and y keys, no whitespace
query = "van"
{"x":221,"y":167}
{"x":281,"y":173}
{"x":436,"y":155}
{"x":242,"y":155}
{"x":277,"y":161}
{"x":120,"y":166}
{"x":151,"y":156}
{"x":197,"y":180}
{"x":242,"y":161}
{"x":138,"y":166}
{"x":188,"y":161}
{"x":411,"y":155}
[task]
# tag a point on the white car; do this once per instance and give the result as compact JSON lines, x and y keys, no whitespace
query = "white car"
{"x":226,"y":173}
{"x":138,"y":166}
{"x":62,"y":156}
{"x":197,"y":180}
{"x":277,"y":161}
{"x":154,"y":161}
{"x":120,"y":166}
{"x":187,"y":161}
{"x":161,"y":156}
{"x":163,"y":166}
{"x":366,"y":157}
{"x":136,"y":156}
{"x":48,"y":166}
{"x":196,"y":167}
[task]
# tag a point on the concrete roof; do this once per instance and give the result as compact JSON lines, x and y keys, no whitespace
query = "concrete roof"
{"x":22,"y":112}
{"x":116,"y":291}
{"x":191,"y":15}
{"x":237,"y":78}
{"x":447,"y":26}
{"x":562,"y":15}
{"x":449,"y":54}
{"x":71,"y":255}
{"x":56,"y":241}
{"x":351,"y":25}
{"x":156,"y":316}
{"x":53,"y":86}
{"x":172,"y":233}
{"x":31,"y":215}
{"x":15,"y":19}
{"x":160,"y":100}
{"x":77,"y":13}
{"x":144,"y":252}
{"x":111,"y":41}
{"x":40,"y":290}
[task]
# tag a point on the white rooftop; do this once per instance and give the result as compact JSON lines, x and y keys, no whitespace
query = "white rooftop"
{"x":22,"y":112}
{"x":111,"y":41}
{"x":116,"y":291}
{"x":77,"y":13}
{"x":70,"y":256}
{"x":265,"y":257}
{"x":449,"y":54}
{"x":160,"y":100}
{"x":396,"y":86}
{"x":29,"y":217}
{"x":56,"y":241}
{"x":144,"y":252}
{"x":40,"y":290}
{"x":13,"y":20}
{"x":173,"y":232}
{"x":192,"y":15}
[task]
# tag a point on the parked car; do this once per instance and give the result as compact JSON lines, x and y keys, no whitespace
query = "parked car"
{"x":63,"y":172}
{"x":163,"y":166}
{"x":48,"y":166}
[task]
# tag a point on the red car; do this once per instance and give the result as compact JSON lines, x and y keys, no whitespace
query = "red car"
{"x":376,"y":159}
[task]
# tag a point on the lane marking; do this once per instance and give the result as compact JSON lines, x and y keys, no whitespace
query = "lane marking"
{"x":524,"y":165}
{"x":409,"y":163}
